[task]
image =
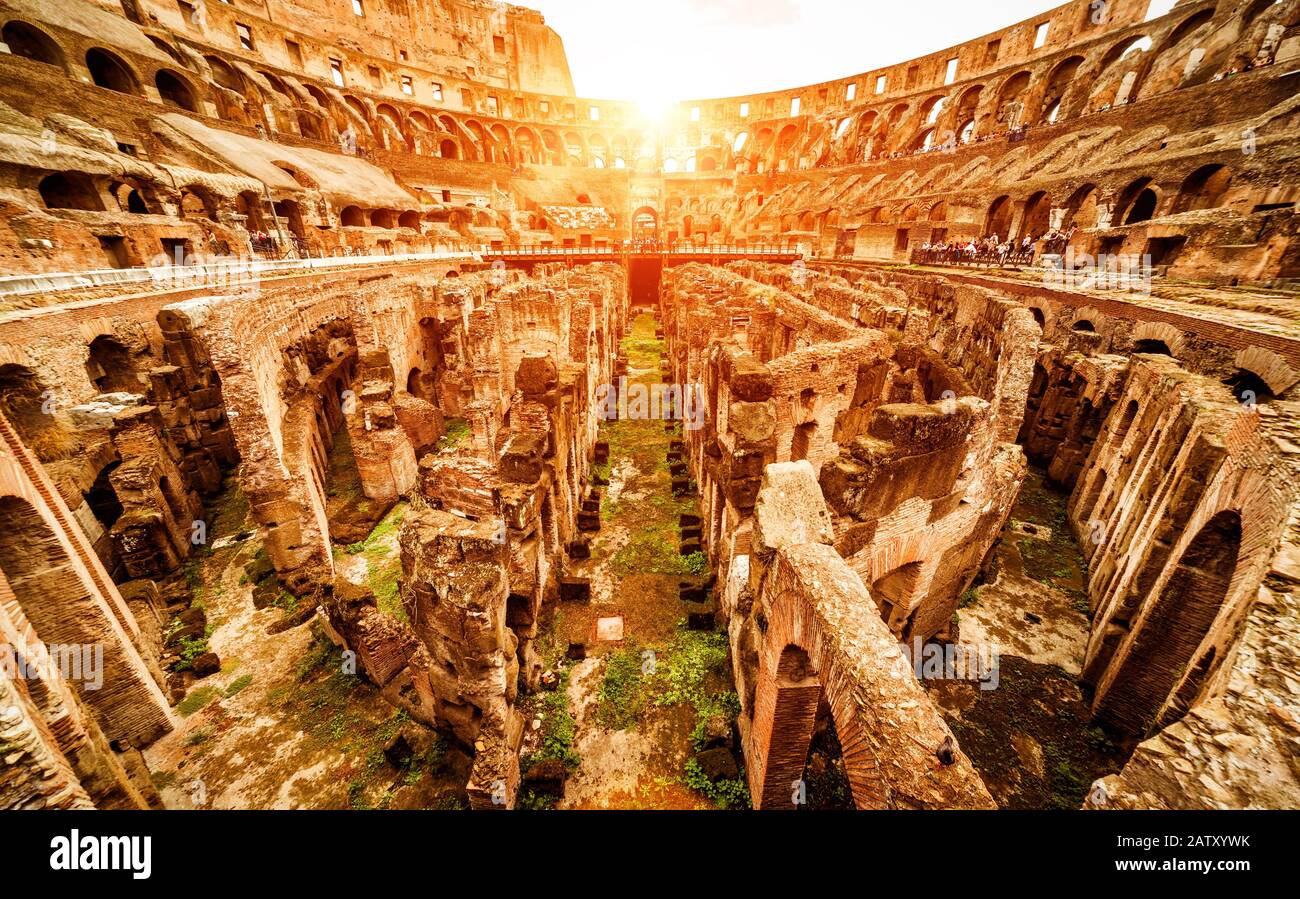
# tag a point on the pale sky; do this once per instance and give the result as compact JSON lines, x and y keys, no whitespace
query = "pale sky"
{"x":670,"y":50}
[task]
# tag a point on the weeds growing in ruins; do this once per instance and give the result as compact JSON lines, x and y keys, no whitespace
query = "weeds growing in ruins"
{"x":238,"y":684}
{"x":457,"y":431}
{"x":697,"y":563}
{"x":383,"y":562}
{"x":197,"y":700}
{"x":558,"y":726}
{"x":331,"y":707}
{"x":727,"y":793}
{"x":620,"y":695}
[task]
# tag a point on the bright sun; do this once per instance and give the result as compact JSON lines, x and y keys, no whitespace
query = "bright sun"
{"x":655,"y":107}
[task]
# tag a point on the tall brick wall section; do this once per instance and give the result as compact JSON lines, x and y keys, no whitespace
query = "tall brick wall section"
{"x":57,"y":565}
{"x":807,"y":598}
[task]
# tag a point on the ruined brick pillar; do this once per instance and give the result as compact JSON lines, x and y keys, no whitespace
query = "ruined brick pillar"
{"x":785,"y":710}
{"x":385,"y":458}
{"x":455,"y":589}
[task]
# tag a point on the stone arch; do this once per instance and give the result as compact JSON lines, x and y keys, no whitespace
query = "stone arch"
{"x":23,"y":401}
{"x":1203,"y":188}
{"x":998,"y":220}
{"x":224,"y":75}
{"x":1037,"y":218}
{"x":249,"y":205}
{"x":175,"y":90}
{"x":528,"y":145}
{"x":1164,"y":644}
{"x":1115,"y":87}
{"x":1127,"y":208}
{"x":894,"y":592}
{"x":1081,"y":208}
{"x":102,"y":499}
{"x":109,"y":70}
{"x":1153,"y":333}
{"x":1060,"y":81}
{"x":60,"y":597}
{"x":112,"y":367}
{"x":291,"y":212}
{"x":321,"y":98}
{"x":70,"y":190}
{"x":30,"y":42}
{"x":311,"y":124}
{"x":1009,"y":105}
{"x":130,"y":197}
{"x":889,"y":763}
{"x":197,"y":202}
{"x":1269,"y":367}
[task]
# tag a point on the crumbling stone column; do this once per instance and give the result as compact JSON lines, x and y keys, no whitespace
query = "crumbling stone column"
{"x":454,"y":591}
{"x":385,"y":458}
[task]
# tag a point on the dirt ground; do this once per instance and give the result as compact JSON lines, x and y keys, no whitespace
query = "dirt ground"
{"x":629,"y":711}
{"x":283,"y":724}
{"x":1030,"y":737}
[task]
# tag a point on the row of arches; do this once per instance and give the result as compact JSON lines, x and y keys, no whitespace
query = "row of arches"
{"x":1132,"y":67}
{"x":1088,"y":206}
{"x":1135,"y":66}
{"x":106,"y":68}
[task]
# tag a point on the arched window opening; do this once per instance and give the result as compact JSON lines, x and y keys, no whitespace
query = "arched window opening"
{"x":112,"y":367}
{"x":998,"y":221}
{"x":195,"y":206}
{"x":70,"y":190}
{"x":1143,"y":209}
{"x":174,"y":91}
{"x":102,"y":498}
{"x":1152,"y":347}
{"x":1203,"y":188}
{"x":129,"y":199}
{"x":1248,"y":387}
{"x":31,"y":43}
{"x":26,"y":403}
{"x":108,"y":70}
{"x":894,"y":591}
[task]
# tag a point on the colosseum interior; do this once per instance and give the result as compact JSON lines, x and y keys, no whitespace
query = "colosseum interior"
{"x":395,"y":429}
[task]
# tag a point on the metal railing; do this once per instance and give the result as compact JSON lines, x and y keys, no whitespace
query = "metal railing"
{"x":978,"y":259}
{"x":643,"y":250}
{"x":231,"y":269}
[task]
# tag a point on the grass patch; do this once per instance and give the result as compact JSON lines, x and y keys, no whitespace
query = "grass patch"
{"x":238,"y":684}
{"x":457,"y":432}
{"x":558,"y":726}
{"x":725,"y":793}
{"x":620,"y":697}
{"x":697,"y":563}
{"x":686,"y":665}
{"x":328,"y":704}
{"x":383,"y":562}
{"x":651,"y":550}
{"x":197,"y":700}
